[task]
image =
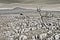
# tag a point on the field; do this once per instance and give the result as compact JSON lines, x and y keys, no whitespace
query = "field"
{"x":28,"y":24}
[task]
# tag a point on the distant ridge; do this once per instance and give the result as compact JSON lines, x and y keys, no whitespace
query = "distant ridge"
{"x":16,"y":10}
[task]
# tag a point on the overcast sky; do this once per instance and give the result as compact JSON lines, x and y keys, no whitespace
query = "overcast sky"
{"x":31,"y":1}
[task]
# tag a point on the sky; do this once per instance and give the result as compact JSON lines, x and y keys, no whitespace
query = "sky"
{"x":31,"y":1}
